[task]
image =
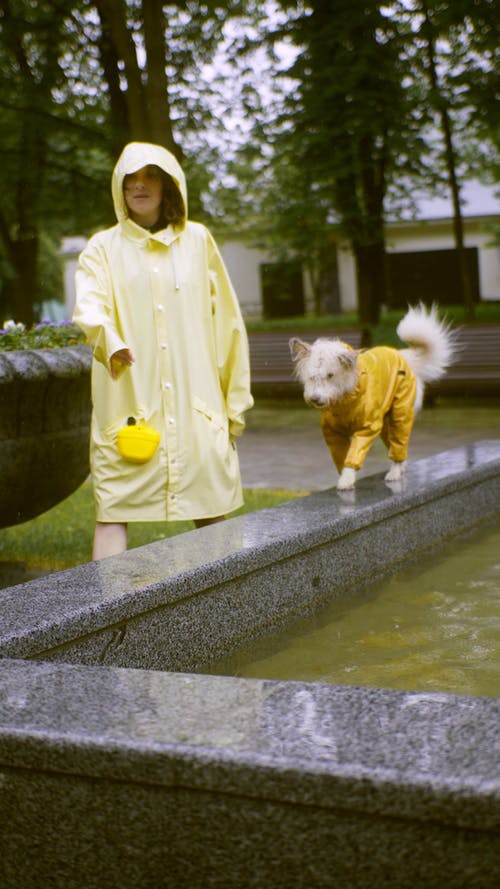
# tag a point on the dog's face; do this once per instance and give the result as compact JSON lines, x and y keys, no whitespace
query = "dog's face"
{"x":326,"y":369}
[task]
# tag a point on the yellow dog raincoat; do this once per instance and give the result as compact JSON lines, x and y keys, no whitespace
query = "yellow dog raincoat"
{"x":381,"y":404}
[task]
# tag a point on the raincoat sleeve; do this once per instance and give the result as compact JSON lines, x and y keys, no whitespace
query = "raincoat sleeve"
{"x":94,"y":310}
{"x":231,"y":342}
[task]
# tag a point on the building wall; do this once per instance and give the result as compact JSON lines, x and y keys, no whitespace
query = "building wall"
{"x":347,"y":278}
{"x":243,"y":263}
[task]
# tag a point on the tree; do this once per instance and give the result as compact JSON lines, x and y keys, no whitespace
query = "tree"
{"x":338,"y":136}
{"x":153,"y":55}
{"x":24,"y":147}
{"x":335,"y":140}
{"x":84,"y":79}
{"x":352,"y":135}
{"x":454,"y":49}
{"x":441,"y":108}
{"x":48,"y":153}
{"x":141,"y":112}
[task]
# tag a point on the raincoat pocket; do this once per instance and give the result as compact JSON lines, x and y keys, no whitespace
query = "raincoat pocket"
{"x":218,"y":420}
{"x":137,"y":442}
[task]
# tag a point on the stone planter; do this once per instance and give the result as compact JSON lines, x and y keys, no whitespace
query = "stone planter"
{"x":45,"y":412}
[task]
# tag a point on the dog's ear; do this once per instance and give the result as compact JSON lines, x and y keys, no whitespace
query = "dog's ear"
{"x":298,"y":348}
{"x":347,"y":359}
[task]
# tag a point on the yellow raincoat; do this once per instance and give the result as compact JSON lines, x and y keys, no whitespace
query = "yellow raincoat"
{"x":381,"y":404}
{"x":166,"y":297}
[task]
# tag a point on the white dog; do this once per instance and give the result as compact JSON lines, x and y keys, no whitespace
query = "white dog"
{"x":362,"y":394}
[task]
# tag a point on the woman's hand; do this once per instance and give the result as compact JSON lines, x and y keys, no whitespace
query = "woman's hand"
{"x":120,"y":361}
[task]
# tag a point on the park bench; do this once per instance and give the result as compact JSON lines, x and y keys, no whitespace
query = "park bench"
{"x":476,"y":368}
{"x":271,"y":365}
{"x":475,"y":371}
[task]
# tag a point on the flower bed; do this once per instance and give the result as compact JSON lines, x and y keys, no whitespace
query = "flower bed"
{"x":45,"y":335}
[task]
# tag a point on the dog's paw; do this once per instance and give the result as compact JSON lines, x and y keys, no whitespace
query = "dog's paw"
{"x":347,"y":500}
{"x":396,"y":472}
{"x":347,"y":479}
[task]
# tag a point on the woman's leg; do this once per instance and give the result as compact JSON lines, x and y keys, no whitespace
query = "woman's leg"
{"x":200,"y":523}
{"x":110,"y":539}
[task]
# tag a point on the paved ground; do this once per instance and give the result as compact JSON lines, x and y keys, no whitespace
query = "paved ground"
{"x":282,"y":446}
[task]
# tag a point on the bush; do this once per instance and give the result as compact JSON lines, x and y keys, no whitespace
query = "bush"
{"x":45,"y":335}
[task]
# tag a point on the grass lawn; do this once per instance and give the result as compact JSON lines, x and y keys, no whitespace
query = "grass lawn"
{"x":62,"y":537}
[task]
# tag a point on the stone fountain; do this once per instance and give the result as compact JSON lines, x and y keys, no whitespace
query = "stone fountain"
{"x":44,"y":429}
{"x":123,"y":763}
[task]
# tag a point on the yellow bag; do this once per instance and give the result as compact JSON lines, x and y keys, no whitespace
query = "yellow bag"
{"x":137,"y":442}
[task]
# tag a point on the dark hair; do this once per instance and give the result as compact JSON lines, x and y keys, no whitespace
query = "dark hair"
{"x":173,"y":211}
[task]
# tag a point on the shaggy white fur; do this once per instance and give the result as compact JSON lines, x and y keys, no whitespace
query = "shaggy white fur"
{"x":432,"y":345}
{"x":328,"y":369}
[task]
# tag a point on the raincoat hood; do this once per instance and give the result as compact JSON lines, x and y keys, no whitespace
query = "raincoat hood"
{"x":136,"y":155}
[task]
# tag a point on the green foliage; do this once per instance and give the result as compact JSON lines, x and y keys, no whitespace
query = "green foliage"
{"x":81,"y":80}
{"x":294,"y":120}
{"x":53,"y":145}
{"x":46,"y":335}
{"x":466,"y":40}
{"x":62,"y":537}
{"x":349,"y":135}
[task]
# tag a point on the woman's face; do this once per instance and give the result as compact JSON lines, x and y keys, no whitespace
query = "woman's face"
{"x":143,"y":191}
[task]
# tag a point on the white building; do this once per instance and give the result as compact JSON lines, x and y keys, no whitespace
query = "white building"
{"x":420,"y":256}
{"x":420,"y":253}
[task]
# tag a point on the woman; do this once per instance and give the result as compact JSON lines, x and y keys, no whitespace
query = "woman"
{"x":170,"y":350}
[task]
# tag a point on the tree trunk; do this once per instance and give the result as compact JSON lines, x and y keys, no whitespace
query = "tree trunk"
{"x":360,"y":200}
{"x":24,"y":258}
{"x":20,"y":231}
{"x":113,"y":15}
{"x":23,"y":246}
{"x":146,"y":98}
{"x":120,"y":129}
{"x":371,"y":278}
{"x":439,"y":104}
{"x":313,"y":273}
{"x":160,"y":124}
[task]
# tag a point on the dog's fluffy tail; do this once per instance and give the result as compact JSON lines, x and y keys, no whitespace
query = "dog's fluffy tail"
{"x":431,"y":342}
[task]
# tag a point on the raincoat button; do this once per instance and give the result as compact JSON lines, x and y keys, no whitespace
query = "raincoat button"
{"x":164,"y":346}
{"x":160,"y":307}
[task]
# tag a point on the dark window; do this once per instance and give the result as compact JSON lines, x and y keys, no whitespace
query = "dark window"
{"x":282,"y":289}
{"x":430,"y":276}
